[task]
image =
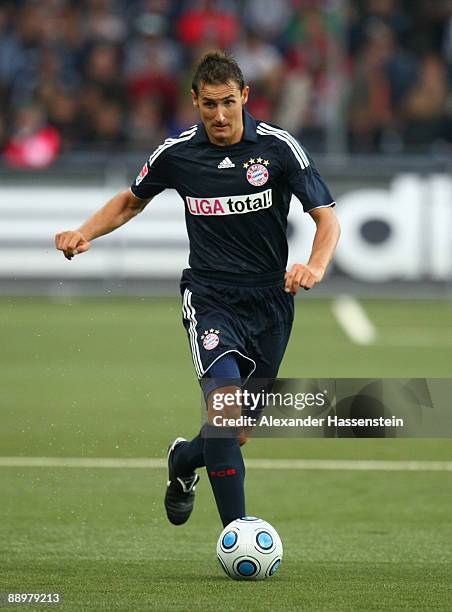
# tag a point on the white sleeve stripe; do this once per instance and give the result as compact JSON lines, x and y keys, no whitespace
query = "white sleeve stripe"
{"x":289,"y":144}
{"x":190,"y":129}
{"x":169,"y":142}
{"x":289,"y":138}
{"x":333,"y":203}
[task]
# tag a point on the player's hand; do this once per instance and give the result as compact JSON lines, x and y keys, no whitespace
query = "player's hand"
{"x":71,"y":243}
{"x":302,"y":275}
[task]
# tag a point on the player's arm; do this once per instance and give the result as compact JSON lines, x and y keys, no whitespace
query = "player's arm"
{"x":323,"y":247}
{"x":121,"y":208}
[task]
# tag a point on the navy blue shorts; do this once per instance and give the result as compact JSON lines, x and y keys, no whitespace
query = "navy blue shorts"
{"x":251,"y":318}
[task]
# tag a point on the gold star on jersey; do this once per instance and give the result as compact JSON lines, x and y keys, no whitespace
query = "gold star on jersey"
{"x":256,"y":171}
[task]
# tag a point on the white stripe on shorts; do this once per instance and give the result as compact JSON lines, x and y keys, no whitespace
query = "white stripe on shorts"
{"x":190,"y":315}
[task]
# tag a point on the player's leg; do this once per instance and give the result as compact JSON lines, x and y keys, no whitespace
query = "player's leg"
{"x":216,"y":446}
{"x":222,"y":454}
{"x":212,"y":334}
{"x":189,"y":455}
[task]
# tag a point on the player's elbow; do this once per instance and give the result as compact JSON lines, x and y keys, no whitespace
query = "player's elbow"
{"x":331,"y":223}
{"x":132,"y":205}
{"x":327,"y":223}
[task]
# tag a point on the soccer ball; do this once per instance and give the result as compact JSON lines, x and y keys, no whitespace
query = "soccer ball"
{"x":249,"y":549}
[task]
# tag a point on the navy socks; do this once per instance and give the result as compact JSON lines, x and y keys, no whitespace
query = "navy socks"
{"x":226,"y":471}
{"x":189,"y":456}
{"x":224,"y":465}
{"x":218,"y":449}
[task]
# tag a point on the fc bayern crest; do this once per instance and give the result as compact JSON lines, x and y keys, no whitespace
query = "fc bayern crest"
{"x":256,"y":171}
{"x":210,"y":339}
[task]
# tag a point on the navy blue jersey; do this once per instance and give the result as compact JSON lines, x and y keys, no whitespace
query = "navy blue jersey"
{"x":236,"y":197}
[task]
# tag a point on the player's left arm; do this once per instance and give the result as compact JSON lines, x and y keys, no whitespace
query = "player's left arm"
{"x":323,"y":247}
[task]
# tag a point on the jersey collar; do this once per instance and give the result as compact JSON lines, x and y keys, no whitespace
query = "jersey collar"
{"x":249,"y":131}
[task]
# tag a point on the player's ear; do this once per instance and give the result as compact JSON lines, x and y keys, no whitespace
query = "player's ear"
{"x":245,"y":92}
{"x":194,"y":97}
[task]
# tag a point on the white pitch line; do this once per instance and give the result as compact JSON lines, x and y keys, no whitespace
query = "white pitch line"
{"x":353,"y":465}
{"x":353,"y":319}
{"x":83,"y":462}
{"x":260,"y":464}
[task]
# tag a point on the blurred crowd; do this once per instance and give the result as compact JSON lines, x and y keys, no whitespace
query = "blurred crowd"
{"x":115,"y":74}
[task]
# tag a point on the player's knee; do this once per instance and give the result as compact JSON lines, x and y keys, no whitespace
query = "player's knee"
{"x":224,"y":406}
{"x":243,"y":438}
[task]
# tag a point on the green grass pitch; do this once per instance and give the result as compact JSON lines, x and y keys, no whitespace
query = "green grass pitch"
{"x":114,"y":378}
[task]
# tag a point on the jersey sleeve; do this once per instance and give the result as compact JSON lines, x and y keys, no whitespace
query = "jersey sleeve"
{"x":304,"y":178}
{"x":152,"y":178}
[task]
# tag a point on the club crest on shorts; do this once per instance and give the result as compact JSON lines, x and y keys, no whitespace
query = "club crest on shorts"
{"x":256,"y":171}
{"x":210,"y":339}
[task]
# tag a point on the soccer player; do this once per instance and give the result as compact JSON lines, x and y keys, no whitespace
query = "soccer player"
{"x":236,"y":176}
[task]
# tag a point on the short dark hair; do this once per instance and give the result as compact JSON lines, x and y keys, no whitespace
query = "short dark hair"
{"x":217,"y":68}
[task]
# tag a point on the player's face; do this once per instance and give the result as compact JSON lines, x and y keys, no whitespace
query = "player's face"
{"x":220,"y":107}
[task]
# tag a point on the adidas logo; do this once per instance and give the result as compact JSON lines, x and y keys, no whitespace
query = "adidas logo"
{"x":226,"y":163}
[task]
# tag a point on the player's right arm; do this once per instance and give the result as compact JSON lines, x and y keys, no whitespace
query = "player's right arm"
{"x":121,"y":208}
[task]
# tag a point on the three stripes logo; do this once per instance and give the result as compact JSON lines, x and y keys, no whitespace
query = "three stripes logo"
{"x":226,"y":163}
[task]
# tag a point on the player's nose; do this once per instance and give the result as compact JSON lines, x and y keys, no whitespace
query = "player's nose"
{"x":219,"y":116}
